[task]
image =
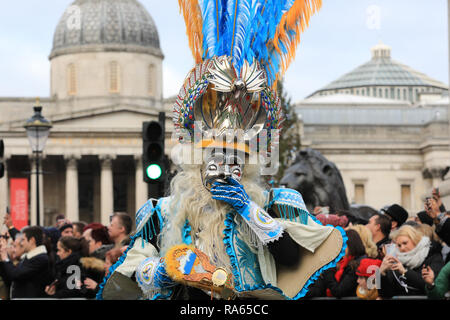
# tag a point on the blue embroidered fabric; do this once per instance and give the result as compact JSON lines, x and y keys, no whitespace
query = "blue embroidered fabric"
{"x":245,"y":267}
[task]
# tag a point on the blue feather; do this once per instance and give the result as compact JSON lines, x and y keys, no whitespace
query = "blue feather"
{"x":242,"y":27}
{"x":211,"y":14}
{"x":246,"y":28}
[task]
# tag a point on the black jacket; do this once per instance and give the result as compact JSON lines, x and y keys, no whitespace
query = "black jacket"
{"x":29,"y":278}
{"x":444,"y":231}
{"x":390,"y":286}
{"x":65,"y":277}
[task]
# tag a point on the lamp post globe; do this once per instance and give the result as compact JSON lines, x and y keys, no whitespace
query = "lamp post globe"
{"x":38,"y":130}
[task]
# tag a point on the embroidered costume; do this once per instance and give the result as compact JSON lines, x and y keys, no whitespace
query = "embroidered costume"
{"x":220,"y":231}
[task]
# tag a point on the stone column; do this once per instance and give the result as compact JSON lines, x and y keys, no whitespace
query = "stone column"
{"x":141,"y":186}
{"x":33,"y":190}
{"x":106,"y":189}
{"x":72,"y":208}
{"x":4,"y":192}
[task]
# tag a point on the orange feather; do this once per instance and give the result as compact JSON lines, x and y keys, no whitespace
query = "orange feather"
{"x":194,"y":21}
{"x":297,"y":18}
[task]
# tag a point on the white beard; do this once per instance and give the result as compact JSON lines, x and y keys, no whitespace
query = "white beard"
{"x":190,"y":200}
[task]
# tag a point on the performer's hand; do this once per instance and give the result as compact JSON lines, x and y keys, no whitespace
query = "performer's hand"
{"x":232,"y":193}
{"x":265,"y":227}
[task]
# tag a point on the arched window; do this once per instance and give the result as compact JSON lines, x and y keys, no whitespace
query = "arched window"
{"x":114,"y":77}
{"x":71,"y":79}
{"x":151,"y":79}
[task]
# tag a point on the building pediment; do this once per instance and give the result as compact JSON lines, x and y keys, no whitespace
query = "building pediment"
{"x":104,"y":118}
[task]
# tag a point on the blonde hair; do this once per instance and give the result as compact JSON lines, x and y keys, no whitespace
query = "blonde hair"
{"x":427,"y":231}
{"x":407,"y":231}
{"x":191,"y":201}
{"x":366,"y":237}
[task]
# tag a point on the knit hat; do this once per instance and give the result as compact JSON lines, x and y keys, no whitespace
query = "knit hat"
{"x":363,"y":269}
{"x":397,"y":213}
{"x":425,"y":218}
{"x":65,"y":226}
{"x":333,"y":219}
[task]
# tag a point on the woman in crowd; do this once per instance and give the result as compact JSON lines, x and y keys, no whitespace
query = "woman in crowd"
{"x":91,"y":283}
{"x":342,"y":280}
{"x":67,"y":267}
{"x":366,"y":237}
{"x":401,"y":269}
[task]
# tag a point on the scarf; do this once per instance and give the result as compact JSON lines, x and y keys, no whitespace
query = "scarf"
{"x":414,"y":258}
{"x":341,"y":266}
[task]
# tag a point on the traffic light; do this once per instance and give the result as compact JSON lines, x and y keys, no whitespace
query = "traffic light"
{"x":153,"y":159}
{"x":2,"y":153}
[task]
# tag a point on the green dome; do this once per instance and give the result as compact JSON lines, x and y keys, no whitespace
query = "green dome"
{"x":381,"y":70}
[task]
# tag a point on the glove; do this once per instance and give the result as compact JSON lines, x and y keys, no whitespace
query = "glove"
{"x":151,"y":275}
{"x":265,"y":227}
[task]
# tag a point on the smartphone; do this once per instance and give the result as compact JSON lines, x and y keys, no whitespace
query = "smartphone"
{"x":391,"y":249}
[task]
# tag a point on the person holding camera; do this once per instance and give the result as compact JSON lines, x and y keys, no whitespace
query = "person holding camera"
{"x":30,"y":276}
{"x":436,"y":210}
{"x":401,"y":268}
{"x":438,"y":288}
{"x":7,"y":221}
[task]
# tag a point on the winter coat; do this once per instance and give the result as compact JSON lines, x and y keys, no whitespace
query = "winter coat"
{"x":347,"y":285}
{"x":441,"y":284}
{"x":94,"y":269}
{"x":390,"y":286}
{"x":67,"y":271}
{"x":100,"y":253}
{"x":30,"y":277}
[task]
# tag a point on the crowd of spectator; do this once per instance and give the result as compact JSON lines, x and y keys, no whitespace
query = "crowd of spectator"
{"x":67,"y":260}
{"x":388,"y":255}
{"x":392,"y":254}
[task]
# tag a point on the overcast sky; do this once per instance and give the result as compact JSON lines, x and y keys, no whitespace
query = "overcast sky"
{"x":338,"y":40}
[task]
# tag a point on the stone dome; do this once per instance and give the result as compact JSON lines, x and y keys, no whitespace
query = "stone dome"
{"x":105,"y":25}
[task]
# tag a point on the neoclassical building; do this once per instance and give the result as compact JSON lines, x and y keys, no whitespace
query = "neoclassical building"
{"x":386,"y":127}
{"x":106,"y":79}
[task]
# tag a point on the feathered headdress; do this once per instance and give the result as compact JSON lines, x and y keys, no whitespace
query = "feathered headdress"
{"x":241,"y":49}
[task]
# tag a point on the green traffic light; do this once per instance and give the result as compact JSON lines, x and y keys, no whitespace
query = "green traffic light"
{"x":154,"y":171}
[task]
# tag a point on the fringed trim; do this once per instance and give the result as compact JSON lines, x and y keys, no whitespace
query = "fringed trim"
{"x":228,"y":242}
{"x":293,"y":214}
{"x":114,"y":267}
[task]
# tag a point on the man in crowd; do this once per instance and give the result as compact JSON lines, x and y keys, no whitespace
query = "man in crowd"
{"x":380,"y":227}
{"x":30,"y":276}
{"x":78,"y":229}
{"x":397,"y":214}
{"x":66,"y":230}
{"x":120,"y":228}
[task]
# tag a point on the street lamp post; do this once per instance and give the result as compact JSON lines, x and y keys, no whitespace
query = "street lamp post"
{"x":38,"y":130}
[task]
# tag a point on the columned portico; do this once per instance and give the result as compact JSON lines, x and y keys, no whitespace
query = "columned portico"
{"x":33,"y":191}
{"x":141,"y":186}
{"x":106,"y":188}
{"x":72,"y":207}
{"x":4,"y":194}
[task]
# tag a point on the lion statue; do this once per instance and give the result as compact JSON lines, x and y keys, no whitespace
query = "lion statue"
{"x":317,"y":179}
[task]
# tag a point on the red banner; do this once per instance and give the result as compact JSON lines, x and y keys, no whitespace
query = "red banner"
{"x":18,"y":190}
